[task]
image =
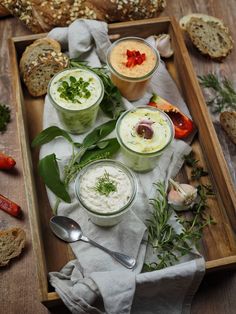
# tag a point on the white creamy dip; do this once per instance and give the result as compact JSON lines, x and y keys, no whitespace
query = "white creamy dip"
{"x":94,"y":87}
{"x":101,"y":203}
{"x":159,"y":123}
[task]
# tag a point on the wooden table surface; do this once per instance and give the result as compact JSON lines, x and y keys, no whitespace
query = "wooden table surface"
{"x":18,"y":283}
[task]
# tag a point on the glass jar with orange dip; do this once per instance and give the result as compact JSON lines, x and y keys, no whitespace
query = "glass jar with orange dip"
{"x":132,"y":61}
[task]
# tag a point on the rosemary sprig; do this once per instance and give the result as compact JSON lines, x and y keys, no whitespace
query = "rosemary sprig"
{"x":162,"y":237}
{"x":225,"y":95}
{"x":105,"y":185}
{"x":5,"y":117}
{"x":197,"y":171}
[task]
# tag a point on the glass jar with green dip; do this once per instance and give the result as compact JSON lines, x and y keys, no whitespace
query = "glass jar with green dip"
{"x":76,"y":94}
{"x":144,"y":133}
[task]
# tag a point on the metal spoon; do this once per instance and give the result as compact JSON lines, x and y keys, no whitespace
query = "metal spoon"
{"x":69,"y":230}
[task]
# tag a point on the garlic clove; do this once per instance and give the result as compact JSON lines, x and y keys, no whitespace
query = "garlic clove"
{"x":182,"y":196}
{"x":163,"y":45}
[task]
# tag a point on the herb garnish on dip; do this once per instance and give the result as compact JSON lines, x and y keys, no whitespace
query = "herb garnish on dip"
{"x":106,"y":189}
{"x":143,"y":134}
{"x":76,"y":95}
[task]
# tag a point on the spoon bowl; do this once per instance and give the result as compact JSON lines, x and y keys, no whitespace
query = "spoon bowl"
{"x":69,"y":230}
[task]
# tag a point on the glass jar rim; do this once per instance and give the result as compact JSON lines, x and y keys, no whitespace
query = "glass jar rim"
{"x":125,"y":169}
{"x":151,"y":154}
{"x":128,"y":78}
{"x":98,"y":101}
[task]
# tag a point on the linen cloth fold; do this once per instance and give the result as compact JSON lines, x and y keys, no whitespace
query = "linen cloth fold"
{"x":94,"y":273}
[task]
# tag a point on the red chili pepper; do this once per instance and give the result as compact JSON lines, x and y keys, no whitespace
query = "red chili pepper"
{"x":9,"y":206}
{"x":183,"y":125}
{"x":6,"y":162}
{"x":134,"y":57}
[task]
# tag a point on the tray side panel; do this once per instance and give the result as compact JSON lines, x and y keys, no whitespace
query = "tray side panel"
{"x":207,"y":134}
{"x":28,"y":176}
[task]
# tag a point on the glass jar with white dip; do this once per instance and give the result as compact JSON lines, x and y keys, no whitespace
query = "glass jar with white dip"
{"x":132,"y":61}
{"x":144,"y":133}
{"x":106,"y":189}
{"x":76,"y":94}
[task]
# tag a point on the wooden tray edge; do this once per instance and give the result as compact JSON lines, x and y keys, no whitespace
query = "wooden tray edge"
{"x":28,"y":175}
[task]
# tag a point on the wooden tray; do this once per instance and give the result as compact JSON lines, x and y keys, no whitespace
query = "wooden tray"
{"x":218,"y":244}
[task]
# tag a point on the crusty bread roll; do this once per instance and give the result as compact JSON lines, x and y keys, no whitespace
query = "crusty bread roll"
{"x":12,"y":241}
{"x":210,"y":37}
{"x":207,"y":18}
{"x":43,"y":15}
{"x":228,"y":122}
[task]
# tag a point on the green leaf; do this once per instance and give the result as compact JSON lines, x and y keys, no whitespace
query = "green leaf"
{"x":99,"y":133}
{"x":49,"y":171}
{"x":112,"y":146}
{"x":112,"y":103}
{"x":49,"y":134}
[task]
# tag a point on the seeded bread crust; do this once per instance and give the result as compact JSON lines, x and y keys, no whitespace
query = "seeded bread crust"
{"x":3,"y":11}
{"x":39,"y":72}
{"x":41,"y":16}
{"x":12,"y":241}
{"x":228,"y":122}
{"x":38,"y":47}
{"x":210,"y":38}
{"x":207,"y":18}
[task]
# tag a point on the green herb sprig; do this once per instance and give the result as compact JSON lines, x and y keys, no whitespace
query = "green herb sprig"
{"x":74,"y":89}
{"x":105,"y":185}
{"x":112,"y":103}
{"x":225,"y":95}
{"x":5,"y":117}
{"x":197,"y":172}
{"x":93,"y":147}
{"x":162,"y":237}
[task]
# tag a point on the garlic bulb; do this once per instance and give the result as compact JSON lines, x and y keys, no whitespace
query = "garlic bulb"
{"x":163,"y":45}
{"x":182,"y":196}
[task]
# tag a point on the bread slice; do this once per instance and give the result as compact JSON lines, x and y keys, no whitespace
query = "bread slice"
{"x":40,"y":71}
{"x":228,"y":122}
{"x":12,"y":241}
{"x":38,"y":47}
{"x":206,"y":18}
{"x":210,"y":38}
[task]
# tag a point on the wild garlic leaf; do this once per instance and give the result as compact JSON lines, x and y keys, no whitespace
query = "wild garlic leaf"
{"x":49,"y":171}
{"x":48,"y":134}
{"x":99,"y":133}
{"x":112,"y":146}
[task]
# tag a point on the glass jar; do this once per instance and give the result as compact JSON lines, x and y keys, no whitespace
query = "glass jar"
{"x":76,"y":100}
{"x":132,"y":81}
{"x":106,"y":207}
{"x":140,"y":153}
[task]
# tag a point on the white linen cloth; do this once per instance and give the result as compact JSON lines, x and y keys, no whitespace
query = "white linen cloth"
{"x":94,"y":273}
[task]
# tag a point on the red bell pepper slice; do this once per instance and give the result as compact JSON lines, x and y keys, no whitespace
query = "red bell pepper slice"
{"x":183,"y":125}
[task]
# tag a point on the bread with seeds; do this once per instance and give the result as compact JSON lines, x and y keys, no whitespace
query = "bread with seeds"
{"x":207,"y":18}
{"x":12,"y":241}
{"x":43,"y":15}
{"x":39,"y":72}
{"x":211,"y":38}
{"x":38,"y":47}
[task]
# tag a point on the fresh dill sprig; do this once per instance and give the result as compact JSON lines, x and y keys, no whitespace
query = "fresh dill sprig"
{"x":105,"y":185}
{"x":5,"y":117}
{"x":162,"y":237}
{"x":225,"y":95}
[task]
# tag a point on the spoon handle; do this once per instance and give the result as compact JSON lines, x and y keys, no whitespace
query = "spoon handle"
{"x":123,"y":259}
